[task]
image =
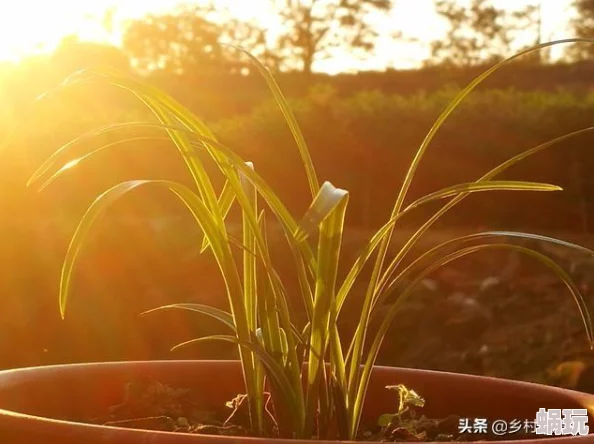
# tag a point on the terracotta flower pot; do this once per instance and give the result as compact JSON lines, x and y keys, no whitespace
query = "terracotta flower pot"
{"x":35,"y":402}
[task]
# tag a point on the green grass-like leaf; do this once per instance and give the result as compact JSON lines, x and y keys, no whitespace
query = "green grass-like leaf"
{"x":443,"y":260}
{"x":218,"y":314}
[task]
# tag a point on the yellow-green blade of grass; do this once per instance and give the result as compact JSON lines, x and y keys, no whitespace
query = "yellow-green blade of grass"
{"x":360,"y":334}
{"x":168,"y":112}
{"x":267,"y":308}
{"x":330,"y":239}
{"x":97,"y":208}
{"x":141,"y":89}
{"x":468,"y":189}
{"x":291,"y":122}
{"x":456,"y":102}
{"x":273,"y":276}
{"x":440,"y":250}
{"x":277,"y":205}
{"x":216,"y":313}
{"x":157,"y":101}
{"x":493,"y":185}
{"x":226,"y":200}
{"x":389,"y":317}
{"x":383,"y":247}
{"x":305,"y":261}
{"x":60,"y":154}
{"x":220,"y":246}
{"x":249,"y":260}
{"x":458,"y":190}
{"x":337,"y":389}
{"x":488,"y":176}
{"x":184,"y":145}
{"x":373,"y":243}
{"x":281,"y":212}
{"x":264,"y":189}
{"x":325,"y":201}
{"x":250,"y":285}
{"x":379,"y":263}
{"x":274,"y":370}
{"x":252,"y":228}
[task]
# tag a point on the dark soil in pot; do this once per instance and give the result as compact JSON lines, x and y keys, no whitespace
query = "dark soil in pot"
{"x":150,"y":405}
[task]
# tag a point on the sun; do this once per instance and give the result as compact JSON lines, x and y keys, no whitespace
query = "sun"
{"x":29,"y":27}
{"x":22,"y":32}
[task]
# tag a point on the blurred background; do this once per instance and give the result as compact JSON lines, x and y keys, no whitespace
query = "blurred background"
{"x":366,"y":79}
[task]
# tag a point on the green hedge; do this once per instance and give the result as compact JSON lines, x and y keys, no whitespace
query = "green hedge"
{"x":365,"y":143}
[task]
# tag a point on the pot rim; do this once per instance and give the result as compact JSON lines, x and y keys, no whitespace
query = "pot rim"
{"x":7,"y":373}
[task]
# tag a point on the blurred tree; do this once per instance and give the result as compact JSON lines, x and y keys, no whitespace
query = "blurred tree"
{"x":177,"y":42}
{"x":189,"y":41}
{"x":312,"y":29}
{"x":248,"y":35}
{"x":479,"y":33}
{"x":582,"y":25}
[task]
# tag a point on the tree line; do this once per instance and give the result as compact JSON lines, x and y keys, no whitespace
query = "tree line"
{"x":201,"y":38}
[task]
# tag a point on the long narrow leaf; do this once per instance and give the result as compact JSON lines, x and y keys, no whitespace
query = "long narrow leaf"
{"x":216,"y":313}
{"x":301,"y":251}
{"x":389,"y":317}
{"x":456,"y":102}
{"x":371,"y":294}
{"x":274,"y":370}
{"x":291,"y":122}
{"x":488,"y":176}
{"x":324,"y":312}
{"x":457,"y":242}
{"x":327,"y":199}
{"x":226,"y":200}
{"x":503,"y":185}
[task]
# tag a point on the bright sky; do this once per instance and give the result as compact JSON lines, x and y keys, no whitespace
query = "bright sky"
{"x":30,"y":26}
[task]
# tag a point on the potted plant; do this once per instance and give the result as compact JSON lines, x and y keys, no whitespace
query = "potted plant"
{"x":291,"y":382}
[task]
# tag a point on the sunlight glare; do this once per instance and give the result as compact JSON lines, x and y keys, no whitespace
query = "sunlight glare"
{"x":29,"y":27}
{"x":70,"y":165}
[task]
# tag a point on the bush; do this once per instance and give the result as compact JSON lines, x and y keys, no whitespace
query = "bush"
{"x":364,"y":142}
